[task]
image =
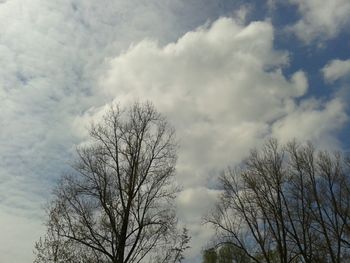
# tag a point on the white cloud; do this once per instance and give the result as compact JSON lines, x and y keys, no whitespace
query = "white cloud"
{"x":51,"y":54}
{"x":193,"y":204}
{"x":220,"y":86}
{"x":11,"y":245}
{"x":313,"y":121}
{"x":336,"y":69}
{"x":321,"y":20}
{"x":223,"y":88}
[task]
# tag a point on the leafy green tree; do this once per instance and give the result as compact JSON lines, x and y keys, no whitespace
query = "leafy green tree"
{"x":210,"y":256}
{"x":232,"y":254}
{"x":225,"y":254}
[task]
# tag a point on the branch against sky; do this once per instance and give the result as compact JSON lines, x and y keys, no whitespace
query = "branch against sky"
{"x":286,"y":204}
{"x":216,"y":69}
{"x":118,"y":205}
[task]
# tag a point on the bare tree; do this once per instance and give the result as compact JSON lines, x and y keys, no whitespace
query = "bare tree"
{"x":286,"y":204}
{"x":118,"y":204}
{"x":52,"y":249}
{"x":173,"y":250}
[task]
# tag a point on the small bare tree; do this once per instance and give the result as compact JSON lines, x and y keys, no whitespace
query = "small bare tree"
{"x":286,"y":204}
{"x":118,"y":205}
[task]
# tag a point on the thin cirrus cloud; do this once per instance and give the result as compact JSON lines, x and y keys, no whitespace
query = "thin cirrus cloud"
{"x":222,"y":87}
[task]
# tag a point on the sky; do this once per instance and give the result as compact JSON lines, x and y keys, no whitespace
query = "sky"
{"x":227,"y":74}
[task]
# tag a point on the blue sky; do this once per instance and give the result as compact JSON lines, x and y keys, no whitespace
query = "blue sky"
{"x":228,"y":74}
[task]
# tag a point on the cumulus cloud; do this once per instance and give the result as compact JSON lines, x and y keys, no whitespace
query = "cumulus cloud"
{"x":52,"y":53}
{"x":223,"y":88}
{"x":321,"y":20}
{"x":313,"y":121}
{"x":336,"y":69}
{"x":221,"y":85}
{"x":225,"y":85}
{"x":193,"y":203}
